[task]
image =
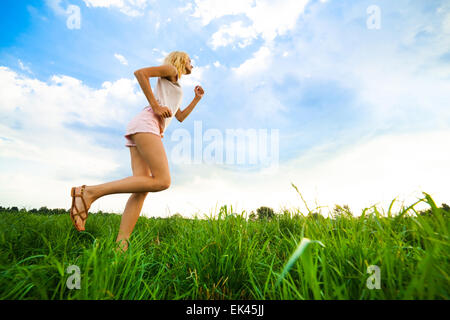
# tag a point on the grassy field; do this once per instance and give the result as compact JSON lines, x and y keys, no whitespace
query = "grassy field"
{"x":290,"y":256}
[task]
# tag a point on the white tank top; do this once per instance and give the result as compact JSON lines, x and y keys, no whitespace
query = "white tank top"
{"x":168,"y":94}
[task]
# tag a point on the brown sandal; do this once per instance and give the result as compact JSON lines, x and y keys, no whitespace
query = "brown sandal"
{"x":78,"y":213}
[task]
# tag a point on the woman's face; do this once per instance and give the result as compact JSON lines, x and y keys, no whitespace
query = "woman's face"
{"x":188,"y":66}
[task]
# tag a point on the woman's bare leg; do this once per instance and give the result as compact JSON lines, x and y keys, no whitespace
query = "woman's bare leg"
{"x":129,"y":218}
{"x":151,"y":149}
{"x":135,"y":202}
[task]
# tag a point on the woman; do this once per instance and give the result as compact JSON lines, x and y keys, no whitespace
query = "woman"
{"x":148,"y":157}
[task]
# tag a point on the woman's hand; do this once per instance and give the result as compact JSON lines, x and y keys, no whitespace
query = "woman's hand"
{"x":199,"y":92}
{"x":162,"y":111}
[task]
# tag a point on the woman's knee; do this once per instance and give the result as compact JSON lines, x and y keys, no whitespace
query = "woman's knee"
{"x":164,"y":183}
{"x":158,"y":183}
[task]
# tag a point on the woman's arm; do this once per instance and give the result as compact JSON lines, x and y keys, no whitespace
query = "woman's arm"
{"x":143,"y":75}
{"x":144,"y":83}
{"x":181,"y":115}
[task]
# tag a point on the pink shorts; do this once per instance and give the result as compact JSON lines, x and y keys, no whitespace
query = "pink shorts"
{"x":144,"y":121}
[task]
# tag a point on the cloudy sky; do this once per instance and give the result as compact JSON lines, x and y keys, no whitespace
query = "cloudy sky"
{"x":349,"y":101}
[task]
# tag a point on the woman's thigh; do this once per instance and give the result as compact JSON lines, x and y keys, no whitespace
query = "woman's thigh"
{"x":138,"y":164}
{"x":151,"y":150}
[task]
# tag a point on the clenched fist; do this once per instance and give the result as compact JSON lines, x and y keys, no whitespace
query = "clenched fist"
{"x":199,"y":92}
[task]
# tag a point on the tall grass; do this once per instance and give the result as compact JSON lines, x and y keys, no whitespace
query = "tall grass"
{"x":291,"y":256}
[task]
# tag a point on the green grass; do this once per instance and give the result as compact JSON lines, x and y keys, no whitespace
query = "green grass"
{"x":291,"y":256}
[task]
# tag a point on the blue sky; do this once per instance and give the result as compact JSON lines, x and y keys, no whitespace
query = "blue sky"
{"x":362,"y":114}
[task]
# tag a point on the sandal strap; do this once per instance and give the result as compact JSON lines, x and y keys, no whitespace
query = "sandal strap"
{"x":79,"y":214}
{"x":74,"y":206}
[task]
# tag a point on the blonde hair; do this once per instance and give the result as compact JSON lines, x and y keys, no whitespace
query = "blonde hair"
{"x":178,"y":59}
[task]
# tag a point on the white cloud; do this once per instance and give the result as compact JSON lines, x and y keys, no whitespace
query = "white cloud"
{"x":35,"y":118}
{"x":188,"y":7}
{"x":24,"y":67}
{"x":393,"y":82}
{"x":55,"y":5}
{"x":268,"y":19}
{"x":401,"y":94}
{"x":162,"y":53}
{"x":195,"y":78}
{"x":260,"y":61}
{"x":274,"y":18}
{"x":230,"y":33}
{"x":208,"y":10}
{"x":121,"y":59}
{"x":254,"y":77}
{"x":129,"y":7}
